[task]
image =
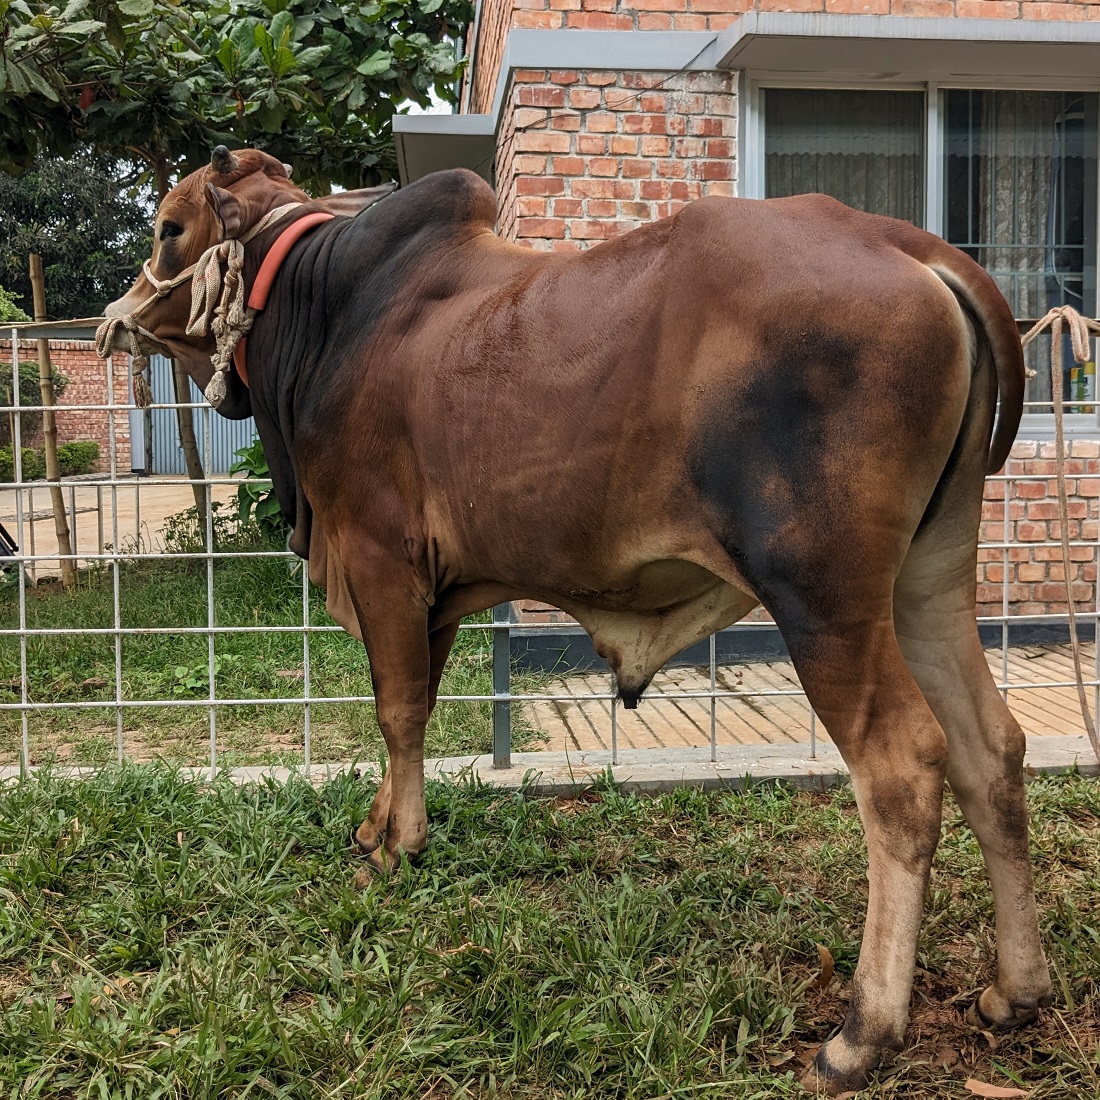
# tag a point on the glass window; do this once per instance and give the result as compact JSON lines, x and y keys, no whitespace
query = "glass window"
{"x":865,"y":148}
{"x":1020,"y":197}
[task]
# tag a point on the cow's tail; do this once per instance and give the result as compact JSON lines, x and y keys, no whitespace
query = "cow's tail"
{"x":995,"y":324}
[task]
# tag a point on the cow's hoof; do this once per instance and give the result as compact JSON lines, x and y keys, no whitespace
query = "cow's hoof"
{"x":829,"y":1075}
{"x":993,"y":1009}
{"x":367,"y":838}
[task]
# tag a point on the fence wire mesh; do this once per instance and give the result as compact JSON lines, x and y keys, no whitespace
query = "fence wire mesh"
{"x":150,"y":655}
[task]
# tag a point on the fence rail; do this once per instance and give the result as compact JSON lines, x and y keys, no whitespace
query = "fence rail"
{"x":116,"y":551}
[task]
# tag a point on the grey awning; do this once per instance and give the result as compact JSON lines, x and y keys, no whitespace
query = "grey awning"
{"x":899,"y":46}
{"x":430,"y":143}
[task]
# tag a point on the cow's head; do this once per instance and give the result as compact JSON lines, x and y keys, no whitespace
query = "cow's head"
{"x":225,"y":201}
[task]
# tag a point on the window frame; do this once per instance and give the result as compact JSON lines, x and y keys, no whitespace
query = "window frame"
{"x":750,"y":148}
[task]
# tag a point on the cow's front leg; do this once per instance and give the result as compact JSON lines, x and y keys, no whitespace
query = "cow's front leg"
{"x":370,"y":834}
{"x":393,"y":617}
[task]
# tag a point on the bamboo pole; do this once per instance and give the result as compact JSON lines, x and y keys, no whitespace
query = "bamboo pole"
{"x":49,"y":429}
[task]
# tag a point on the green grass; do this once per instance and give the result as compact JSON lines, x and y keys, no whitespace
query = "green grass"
{"x":159,"y":938}
{"x":247,"y":592}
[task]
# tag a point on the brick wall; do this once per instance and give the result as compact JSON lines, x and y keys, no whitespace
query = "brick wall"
{"x":498,"y":16}
{"x":87,"y":376}
{"x":586,"y":155}
{"x":1036,"y":575}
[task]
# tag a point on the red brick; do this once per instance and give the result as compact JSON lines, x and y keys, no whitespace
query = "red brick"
{"x":529,"y":165}
{"x":529,"y":76}
{"x":683,"y":191}
{"x":659,"y":5}
{"x":602,"y":208}
{"x":1054,"y":12}
{"x":708,"y":127}
{"x":790,"y":5}
{"x":672,"y":169}
{"x":602,"y":189}
{"x":584,"y":99}
{"x":654,"y":190}
{"x":987,"y":9}
{"x":539,"y":227}
{"x":539,"y":141}
{"x":596,"y":230}
{"x":536,"y":20}
{"x":539,"y":185}
{"x":1031,"y":532}
{"x":624,"y":146}
{"x":598,"y":21}
{"x":1030,"y":490}
{"x":639,"y":210}
{"x":598,"y":5}
{"x":721,"y":22}
{"x":637,"y":168}
{"x":644,"y":124}
{"x":529,"y":96}
{"x":591,"y":145}
{"x":600,"y":122}
{"x":690,"y":23}
{"x":534,"y":206}
{"x":734,"y":7}
{"x":690,"y":147}
{"x":653,"y":101}
{"x":568,"y":166}
{"x":723,"y":188}
{"x":600,"y":80}
{"x":858,"y":7}
{"x":655,"y":21}
{"x":568,"y":208}
{"x":563,"y":76}
{"x":602,"y":166}
{"x":720,"y":147}
{"x":1088,"y":487}
{"x":922,"y":7}
{"x":656,"y":146}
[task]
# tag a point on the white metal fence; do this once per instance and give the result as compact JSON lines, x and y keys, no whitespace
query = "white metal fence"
{"x":115,"y":699}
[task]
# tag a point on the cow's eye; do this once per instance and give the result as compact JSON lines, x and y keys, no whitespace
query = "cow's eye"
{"x":170,"y":229}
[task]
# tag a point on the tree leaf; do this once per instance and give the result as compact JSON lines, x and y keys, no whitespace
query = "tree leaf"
{"x":377,"y":63}
{"x":136,"y":8}
{"x":827,"y":967}
{"x":994,"y":1092}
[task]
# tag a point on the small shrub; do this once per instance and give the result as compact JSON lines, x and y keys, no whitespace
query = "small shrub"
{"x":80,"y":457}
{"x":185,"y":533}
{"x":33,"y":465}
{"x":256,"y":500}
{"x":9,"y":311}
{"x":30,"y":393}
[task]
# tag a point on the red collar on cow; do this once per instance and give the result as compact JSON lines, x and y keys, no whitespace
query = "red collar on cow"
{"x":257,"y":296}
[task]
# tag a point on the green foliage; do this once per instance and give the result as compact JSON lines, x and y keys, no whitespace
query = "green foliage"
{"x":80,"y":457}
{"x":312,"y":81}
{"x":85,"y":218}
{"x":185,"y":532}
{"x":33,"y":465}
{"x":256,"y":500}
{"x":9,"y":310}
{"x":30,"y":393}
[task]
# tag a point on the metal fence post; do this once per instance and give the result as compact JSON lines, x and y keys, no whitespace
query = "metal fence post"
{"x":502,"y":685}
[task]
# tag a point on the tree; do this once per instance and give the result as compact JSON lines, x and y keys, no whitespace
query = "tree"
{"x":84,"y":217}
{"x":9,"y":310}
{"x":313,"y":82}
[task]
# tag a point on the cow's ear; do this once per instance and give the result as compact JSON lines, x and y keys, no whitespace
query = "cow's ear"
{"x":350,"y":203}
{"x":226,"y":209}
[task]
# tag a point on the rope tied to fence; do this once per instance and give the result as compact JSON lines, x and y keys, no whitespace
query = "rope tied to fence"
{"x":1080,"y":328}
{"x":217,"y":306}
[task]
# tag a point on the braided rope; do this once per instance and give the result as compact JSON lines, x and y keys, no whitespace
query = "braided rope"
{"x":1079,"y":331}
{"x":217,"y":306}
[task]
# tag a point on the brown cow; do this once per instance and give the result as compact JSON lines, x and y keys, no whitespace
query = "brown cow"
{"x":783,"y":402}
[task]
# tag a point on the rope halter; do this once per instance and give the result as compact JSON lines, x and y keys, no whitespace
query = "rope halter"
{"x":217,"y":306}
{"x":1080,"y":331}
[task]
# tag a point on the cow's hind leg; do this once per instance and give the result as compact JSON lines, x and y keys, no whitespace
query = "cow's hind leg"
{"x":371,"y":832}
{"x":934,"y":612}
{"x":857,"y":680}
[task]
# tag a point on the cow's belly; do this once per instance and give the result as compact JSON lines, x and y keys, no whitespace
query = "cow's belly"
{"x":669,"y":606}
